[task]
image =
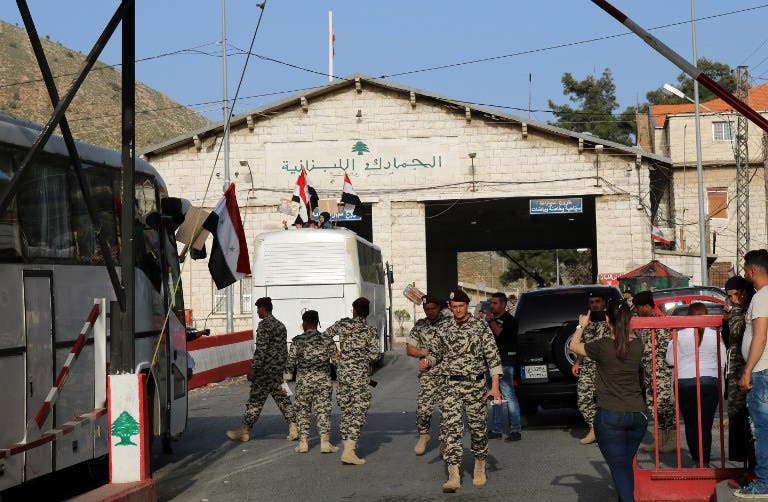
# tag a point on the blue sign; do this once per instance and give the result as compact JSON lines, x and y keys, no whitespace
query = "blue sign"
{"x":556,"y":206}
{"x":342,"y":216}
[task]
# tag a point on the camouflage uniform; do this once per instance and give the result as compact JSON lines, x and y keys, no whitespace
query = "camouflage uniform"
{"x":466,"y":350}
{"x":311,"y":354}
{"x":359,"y":348}
{"x":664,"y":377}
{"x":424,"y":336}
{"x":585,"y":387}
{"x":268,"y":365}
{"x":737,"y":400}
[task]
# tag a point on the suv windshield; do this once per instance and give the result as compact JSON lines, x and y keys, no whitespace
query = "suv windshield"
{"x":551,"y":309}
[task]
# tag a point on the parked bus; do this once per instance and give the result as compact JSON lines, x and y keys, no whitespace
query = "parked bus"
{"x":318,"y":269}
{"x":51,"y":270}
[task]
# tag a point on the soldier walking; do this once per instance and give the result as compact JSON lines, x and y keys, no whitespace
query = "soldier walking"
{"x":421,"y":342}
{"x":311,"y":354}
{"x":359,"y":348}
{"x":644,"y":304}
{"x":466,"y":349}
{"x":269,"y":358}
{"x":584,"y":367}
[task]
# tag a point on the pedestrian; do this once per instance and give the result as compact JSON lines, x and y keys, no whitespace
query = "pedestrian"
{"x":740,"y":445}
{"x":754,"y":379}
{"x":325,"y":220}
{"x":269,"y":359}
{"x":502,"y":326}
{"x":466,"y":350}
{"x":644,"y":307}
{"x":421,"y":342}
{"x":584,"y":368}
{"x":312,"y":354}
{"x":512,"y":304}
{"x":359,"y":348}
{"x":620,"y":418}
{"x":628,"y":297}
{"x":703,"y":345}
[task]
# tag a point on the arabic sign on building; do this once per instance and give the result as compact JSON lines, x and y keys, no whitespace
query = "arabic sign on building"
{"x":556,"y":206}
{"x":360,"y":157}
{"x":609,"y":279}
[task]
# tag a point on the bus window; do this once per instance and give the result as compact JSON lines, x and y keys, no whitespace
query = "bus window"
{"x":102,"y":184}
{"x":10,"y":247}
{"x":43,"y":211}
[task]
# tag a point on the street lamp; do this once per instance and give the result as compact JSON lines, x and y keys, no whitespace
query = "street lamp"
{"x":699,"y":178}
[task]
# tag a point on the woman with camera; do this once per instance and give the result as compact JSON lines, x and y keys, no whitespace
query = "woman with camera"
{"x":620,"y":420}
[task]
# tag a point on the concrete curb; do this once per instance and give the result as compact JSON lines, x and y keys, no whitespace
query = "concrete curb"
{"x":139,"y":491}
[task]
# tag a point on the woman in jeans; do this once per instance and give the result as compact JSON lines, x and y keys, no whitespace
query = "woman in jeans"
{"x":708,"y":343}
{"x":620,"y":420}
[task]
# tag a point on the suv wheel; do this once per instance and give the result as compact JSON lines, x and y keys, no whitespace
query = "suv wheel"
{"x":561,"y":354}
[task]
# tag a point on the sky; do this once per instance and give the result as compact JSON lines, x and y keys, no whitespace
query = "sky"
{"x":180,"y":45}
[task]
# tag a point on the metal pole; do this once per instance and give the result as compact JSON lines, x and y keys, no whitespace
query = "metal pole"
{"x":225,"y":100}
{"x":699,"y":169}
{"x":126,"y":360}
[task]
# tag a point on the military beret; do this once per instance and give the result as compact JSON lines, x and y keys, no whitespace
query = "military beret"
{"x":430,"y":299}
{"x":643,"y":298}
{"x":458,"y":295}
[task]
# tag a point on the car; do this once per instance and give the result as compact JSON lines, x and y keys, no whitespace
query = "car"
{"x":672,"y":300}
{"x":545,"y":320}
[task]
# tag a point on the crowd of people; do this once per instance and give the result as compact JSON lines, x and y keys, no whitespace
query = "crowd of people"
{"x":467,"y":367}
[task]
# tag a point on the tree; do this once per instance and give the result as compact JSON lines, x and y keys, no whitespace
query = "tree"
{"x":540,"y":265}
{"x":596,"y":98}
{"x":360,"y":147}
{"x":719,"y":72}
{"x":401,"y":315}
{"x":124,"y":427}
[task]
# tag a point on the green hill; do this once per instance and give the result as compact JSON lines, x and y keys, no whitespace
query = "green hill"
{"x":94,"y":115}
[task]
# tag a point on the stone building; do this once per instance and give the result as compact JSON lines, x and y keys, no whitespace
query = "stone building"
{"x":436,"y":176}
{"x":674,"y":136}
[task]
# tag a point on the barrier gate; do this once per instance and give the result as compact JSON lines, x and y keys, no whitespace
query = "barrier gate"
{"x":676,"y":482}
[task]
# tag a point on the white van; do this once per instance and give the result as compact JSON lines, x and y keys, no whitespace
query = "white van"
{"x":318,"y":269}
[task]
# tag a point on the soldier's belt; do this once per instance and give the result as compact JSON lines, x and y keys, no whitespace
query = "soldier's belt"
{"x":462,"y":378}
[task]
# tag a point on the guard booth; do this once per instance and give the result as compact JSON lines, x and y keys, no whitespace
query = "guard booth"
{"x":665,"y":476}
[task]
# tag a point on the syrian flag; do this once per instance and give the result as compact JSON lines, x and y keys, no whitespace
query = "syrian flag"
{"x":229,"y":253}
{"x":305,"y":196}
{"x":659,"y":236}
{"x":349,"y":196}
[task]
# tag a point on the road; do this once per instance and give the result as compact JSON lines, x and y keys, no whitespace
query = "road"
{"x":548,"y":464}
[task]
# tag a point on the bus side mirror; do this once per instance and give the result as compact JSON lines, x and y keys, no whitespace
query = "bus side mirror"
{"x":390,"y":274}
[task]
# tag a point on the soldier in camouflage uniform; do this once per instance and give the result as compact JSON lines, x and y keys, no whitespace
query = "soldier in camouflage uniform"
{"x":269,"y":359}
{"x":465,"y":350}
{"x":311,"y":354}
{"x":359,"y":347}
{"x":644,"y":305}
{"x":739,"y":434}
{"x":584,"y":367}
{"x":420,"y":343}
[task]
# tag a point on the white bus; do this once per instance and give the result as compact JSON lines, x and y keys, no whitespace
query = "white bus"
{"x":318,"y":269}
{"x":51,"y":270}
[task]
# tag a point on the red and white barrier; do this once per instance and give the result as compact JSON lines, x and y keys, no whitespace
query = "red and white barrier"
{"x":36,"y":423}
{"x":220,"y":356}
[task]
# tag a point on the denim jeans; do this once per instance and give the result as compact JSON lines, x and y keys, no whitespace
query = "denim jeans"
{"x":690,"y":410}
{"x":618,"y":435}
{"x":507,"y":387}
{"x":757,"y":404}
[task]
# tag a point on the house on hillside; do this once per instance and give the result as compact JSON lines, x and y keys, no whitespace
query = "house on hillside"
{"x":672,"y":133}
{"x":436,"y":176}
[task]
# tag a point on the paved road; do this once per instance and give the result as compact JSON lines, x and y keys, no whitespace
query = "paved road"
{"x":548,"y":464}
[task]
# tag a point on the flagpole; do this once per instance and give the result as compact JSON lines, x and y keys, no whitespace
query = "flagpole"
{"x":330,"y":46}
{"x":225,"y":99}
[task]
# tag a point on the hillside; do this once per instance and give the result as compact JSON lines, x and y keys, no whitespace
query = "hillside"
{"x":94,"y":115}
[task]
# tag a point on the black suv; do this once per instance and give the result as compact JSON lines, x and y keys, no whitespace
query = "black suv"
{"x":546,"y":319}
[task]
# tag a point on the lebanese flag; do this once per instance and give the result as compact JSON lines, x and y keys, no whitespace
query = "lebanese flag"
{"x":305,"y":195}
{"x":659,"y":236}
{"x":229,"y":253}
{"x":349,"y":196}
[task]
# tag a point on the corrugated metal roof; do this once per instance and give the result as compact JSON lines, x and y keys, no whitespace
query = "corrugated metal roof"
{"x":757,"y":100}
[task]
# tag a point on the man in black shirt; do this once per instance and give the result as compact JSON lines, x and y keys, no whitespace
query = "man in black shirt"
{"x":503,"y":327}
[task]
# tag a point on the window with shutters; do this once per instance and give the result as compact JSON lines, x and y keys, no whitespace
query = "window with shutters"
{"x":717,"y":202}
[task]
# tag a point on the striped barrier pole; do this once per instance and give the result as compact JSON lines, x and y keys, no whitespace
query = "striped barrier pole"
{"x":36,"y":424}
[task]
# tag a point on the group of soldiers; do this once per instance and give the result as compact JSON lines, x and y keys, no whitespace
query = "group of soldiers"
{"x":454,"y":352}
{"x":311,"y":357}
